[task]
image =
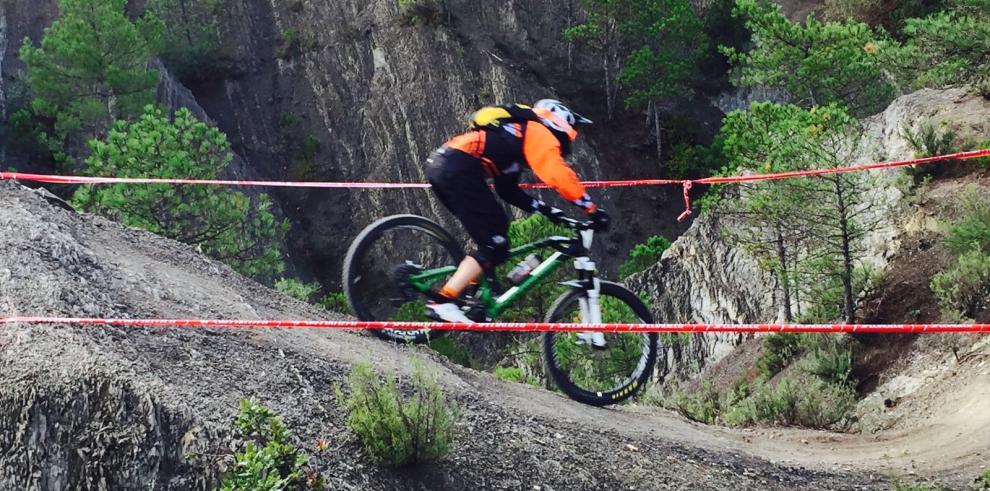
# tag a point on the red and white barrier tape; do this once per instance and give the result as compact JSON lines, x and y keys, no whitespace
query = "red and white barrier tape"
{"x":973,"y":154}
{"x":56,"y":179}
{"x":514,"y":327}
{"x":687,"y":184}
{"x":53,"y":179}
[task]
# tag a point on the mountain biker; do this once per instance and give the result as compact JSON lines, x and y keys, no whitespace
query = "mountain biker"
{"x":503,"y":141}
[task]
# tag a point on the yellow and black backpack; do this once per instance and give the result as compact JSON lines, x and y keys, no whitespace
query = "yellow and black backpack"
{"x":490,"y":117}
{"x":496,"y":117}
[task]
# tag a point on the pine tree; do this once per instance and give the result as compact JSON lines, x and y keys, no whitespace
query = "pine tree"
{"x":650,"y":47}
{"x":193,"y":48}
{"x":91,"y":67}
{"x":816,"y":63}
{"x":225,"y":224}
{"x":808,"y":231}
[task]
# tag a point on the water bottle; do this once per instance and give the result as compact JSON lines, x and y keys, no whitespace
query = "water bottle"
{"x":522,"y":270}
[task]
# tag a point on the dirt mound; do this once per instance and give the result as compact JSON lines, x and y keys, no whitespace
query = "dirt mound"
{"x":123,"y":407}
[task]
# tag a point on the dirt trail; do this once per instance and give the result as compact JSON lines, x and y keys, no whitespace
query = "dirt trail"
{"x":951,"y":442}
{"x":154,"y":397}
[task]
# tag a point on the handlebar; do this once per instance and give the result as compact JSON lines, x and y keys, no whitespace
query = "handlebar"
{"x":571,"y":223}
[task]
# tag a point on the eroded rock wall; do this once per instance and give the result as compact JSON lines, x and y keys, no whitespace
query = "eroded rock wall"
{"x":98,"y":433}
{"x":705,"y":278}
{"x":361,"y":90}
{"x":367,"y":93}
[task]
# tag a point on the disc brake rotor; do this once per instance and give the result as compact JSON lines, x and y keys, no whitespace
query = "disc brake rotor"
{"x":403,"y":285}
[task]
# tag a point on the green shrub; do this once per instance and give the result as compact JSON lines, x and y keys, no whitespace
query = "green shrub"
{"x":644,"y":255}
{"x":394,"y":430}
{"x":859,"y":10}
{"x":823,"y":295}
{"x":831,"y":361}
{"x":816,"y":63}
{"x":193,"y":49}
{"x":296,"y":289}
{"x":600,"y":372}
{"x":666,"y":41}
{"x":984,"y":480}
{"x":414,"y":12}
{"x":983,"y":162}
{"x":290,"y":44}
{"x":509,"y":374}
{"x":527,"y":356}
{"x":930,"y":139}
{"x":534,"y":305}
{"x":982,"y":87}
{"x":800,"y":400}
{"x":336,"y":302}
{"x":963,"y":290}
{"x":972,"y":230}
{"x":703,"y":406}
{"x":946,"y":48}
{"x":778,"y":352}
{"x":823,"y":291}
{"x":899,"y":486}
{"x":675,"y":338}
{"x":414,"y":311}
{"x":514,"y":374}
{"x":287,"y":120}
{"x":227,"y":225}
{"x":691,"y":161}
{"x":310,"y":147}
{"x":267,"y":460}
{"x":28,"y":133}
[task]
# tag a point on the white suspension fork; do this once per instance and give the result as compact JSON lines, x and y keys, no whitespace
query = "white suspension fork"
{"x":591,"y":311}
{"x":590,"y":304}
{"x":594,"y":304}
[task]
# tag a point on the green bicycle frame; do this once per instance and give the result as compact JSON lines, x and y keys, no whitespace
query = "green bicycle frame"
{"x":496,"y":305}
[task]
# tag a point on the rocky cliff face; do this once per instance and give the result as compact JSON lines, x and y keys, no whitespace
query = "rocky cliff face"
{"x":360,"y":90}
{"x":18,"y":19}
{"x":368,"y":93}
{"x":703,"y":278}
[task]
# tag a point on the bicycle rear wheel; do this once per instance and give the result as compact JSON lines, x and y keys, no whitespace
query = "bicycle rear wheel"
{"x":606,"y":375}
{"x":378,"y":266}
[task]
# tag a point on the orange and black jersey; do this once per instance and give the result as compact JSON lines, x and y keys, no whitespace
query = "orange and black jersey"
{"x":505,"y":151}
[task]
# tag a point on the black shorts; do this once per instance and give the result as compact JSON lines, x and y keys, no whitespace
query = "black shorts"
{"x":459,"y":182}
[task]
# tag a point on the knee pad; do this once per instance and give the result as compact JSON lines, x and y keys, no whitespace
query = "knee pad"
{"x":492,"y":253}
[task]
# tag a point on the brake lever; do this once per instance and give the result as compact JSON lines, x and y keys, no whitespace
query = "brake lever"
{"x":556,"y":215}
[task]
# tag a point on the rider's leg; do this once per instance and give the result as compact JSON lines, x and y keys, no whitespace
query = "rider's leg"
{"x":459,"y":183}
{"x":468,"y":271}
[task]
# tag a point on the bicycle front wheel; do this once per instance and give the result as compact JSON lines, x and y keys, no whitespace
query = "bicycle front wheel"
{"x":596,"y":373}
{"x":380,"y":264}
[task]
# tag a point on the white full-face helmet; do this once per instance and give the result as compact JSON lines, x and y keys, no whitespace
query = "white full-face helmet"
{"x":562,"y":114}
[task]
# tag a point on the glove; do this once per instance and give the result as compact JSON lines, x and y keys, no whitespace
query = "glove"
{"x":600,"y":220}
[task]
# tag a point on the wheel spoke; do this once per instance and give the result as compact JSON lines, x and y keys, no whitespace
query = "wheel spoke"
{"x":381,"y":262}
{"x":601,"y":375}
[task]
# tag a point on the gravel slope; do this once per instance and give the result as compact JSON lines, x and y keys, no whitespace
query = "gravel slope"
{"x":128,"y":408}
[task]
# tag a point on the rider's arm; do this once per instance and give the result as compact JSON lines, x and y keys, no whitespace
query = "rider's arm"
{"x":507,"y":187}
{"x":543,"y":154}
